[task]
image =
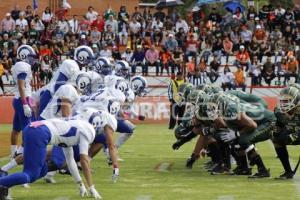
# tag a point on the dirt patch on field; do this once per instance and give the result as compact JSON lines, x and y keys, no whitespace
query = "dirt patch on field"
{"x":4,"y":144}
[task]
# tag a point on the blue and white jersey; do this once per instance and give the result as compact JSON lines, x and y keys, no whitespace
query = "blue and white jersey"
{"x":111,"y":80}
{"x":22,"y":71}
{"x":129,"y":107}
{"x":37,"y":94}
{"x":53,"y":108}
{"x":66,"y":72}
{"x":97,"y":81}
{"x":99,"y":100}
{"x":67,"y":133}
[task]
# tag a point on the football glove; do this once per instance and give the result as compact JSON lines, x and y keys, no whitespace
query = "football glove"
{"x":191,"y":160}
{"x":94,"y":192}
{"x":177,"y":144}
{"x":27,"y":110}
{"x":115,"y":175}
{"x":82,"y":190}
{"x":227,"y":136}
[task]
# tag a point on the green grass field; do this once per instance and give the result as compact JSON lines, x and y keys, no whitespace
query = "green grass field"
{"x":139,"y":180}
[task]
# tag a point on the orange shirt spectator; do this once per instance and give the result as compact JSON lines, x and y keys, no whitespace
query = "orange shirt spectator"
{"x":190,"y":67}
{"x":292,"y":65}
{"x":260,"y":34}
{"x":165,"y":57}
{"x":243,"y":56}
{"x":239,"y":77}
{"x":45,"y":51}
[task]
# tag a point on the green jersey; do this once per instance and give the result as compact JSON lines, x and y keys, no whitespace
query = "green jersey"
{"x":249,"y":98}
{"x":290,"y":122}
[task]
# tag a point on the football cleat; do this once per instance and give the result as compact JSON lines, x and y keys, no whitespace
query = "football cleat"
{"x":26,"y":185}
{"x":49,"y":179}
{"x":3,"y":173}
{"x":285,"y":176}
{"x":219,"y":170}
{"x":261,"y":174}
{"x":242,"y":171}
{"x":3,"y":192}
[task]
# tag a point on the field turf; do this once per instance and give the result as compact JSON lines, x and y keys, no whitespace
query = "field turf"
{"x":153,"y":171}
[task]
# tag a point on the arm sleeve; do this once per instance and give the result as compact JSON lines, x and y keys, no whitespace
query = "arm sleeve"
{"x":69,"y":154}
{"x":22,"y":76}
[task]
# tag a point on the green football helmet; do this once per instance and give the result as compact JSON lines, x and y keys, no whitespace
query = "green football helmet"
{"x":193,"y":96}
{"x":289,"y":98}
{"x":184,"y":90}
{"x":211,"y":89}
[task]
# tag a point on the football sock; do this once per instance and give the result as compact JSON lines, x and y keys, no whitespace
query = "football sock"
{"x":13,"y":149}
{"x":123,"y":137}
{"x":259,"y":163}
{"x":283,"y":155}
{"x":10,"y":165}
{"x":216,"y":153}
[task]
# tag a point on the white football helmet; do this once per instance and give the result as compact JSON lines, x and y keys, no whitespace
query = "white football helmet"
{"x":122,"y":85}
{"x":289,"y":99}
{"x":83,"y":82}
{"x":139,"y":85}
{"x":122,"y":69}
{"x":27,"y":54}
{"x":113,"y":107}
{"x":103,"y":66}
{"x":84,"y":55}
{"x":94,"y":117}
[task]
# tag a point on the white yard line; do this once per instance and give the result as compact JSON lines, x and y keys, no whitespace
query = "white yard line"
{"x":228,"y":197}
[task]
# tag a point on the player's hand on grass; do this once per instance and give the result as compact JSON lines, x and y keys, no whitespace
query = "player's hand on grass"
{"x":191,"y":160}
{"x":27,"y":110}
{"x":94,"y":193}
{"x":177,"y":144}
{"x":115,"y":175}
{"x":82,"y":190}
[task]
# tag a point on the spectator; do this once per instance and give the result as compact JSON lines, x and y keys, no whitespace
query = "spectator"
{"x":15,"y":13}
{"x":157,"y":27}
{"x":135,"y":29}
{"x":181,"y":24}
{"x":109,"y":36}
{"x":214,"y":70}
{"x":47,"y":16}
{"x":127,"y":55}
{"x":260,"y":35}
{"x":137,"y":59}
{"x":99,"y":23}
{"x":91,"y":15}
{"x":137,"y":14}
{"x":292,"y":69}
{"x":227,"y":48}
{"x":215,"y":17}
{"x":123,"y":34}
{"x":177,"y":57}
{"x":251,"y":14}
{"x":84,"y":26}
{"x":255,"y":71}
{"x":268,"y":71}
{"x":123,"y":15}
{"x":190,"y":68}
{"x":200,"y":76}
{"x":171,"y":44}
{"x":227,"y":78}
{"x":243,"y":58}
{"x":22,"y":22}
{"x":166,"y":61}
{"x":45,"y":51}
{"x":46,"y":70}
{"x":239,"y":78}
{"x":246,"y":36}
{"x":29,"y":14}
{"x":74,"y":25}
{"x":6,"y":42}
{"x":192,"y":46}
{"x":169,"y":24}
{"x":159,"y":15}
{"x":95,"y":36}
{"x":152,"y":59}
{"x":112,"y":23}
{"x":8,"y":24}
{"x":63,"y":25}
{"x":58,"y":34}
{"x":37,"y":24}
{"x":105,"y":52}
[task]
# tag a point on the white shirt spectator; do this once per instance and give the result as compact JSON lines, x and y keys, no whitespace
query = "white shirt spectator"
{"x":91,"y":15}
{"x":246,"y":35}
{"x":106,"y":53}
{"x":228,"y":77}
{"x":22,"y":23}
{"x":74,"y":25}
{"x":157,"y":25}
{"x":114,"y":25}
{"x":182,"y":24}
{"x":135,"y":27}
{"x":127,"y":56}
{"x":46,"y":17}
{"x":64,"y":26}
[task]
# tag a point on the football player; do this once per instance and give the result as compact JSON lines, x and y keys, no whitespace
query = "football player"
{"x":287,"y":130}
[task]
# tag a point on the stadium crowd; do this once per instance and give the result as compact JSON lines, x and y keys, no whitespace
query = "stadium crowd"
{"x":261,"y":44}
